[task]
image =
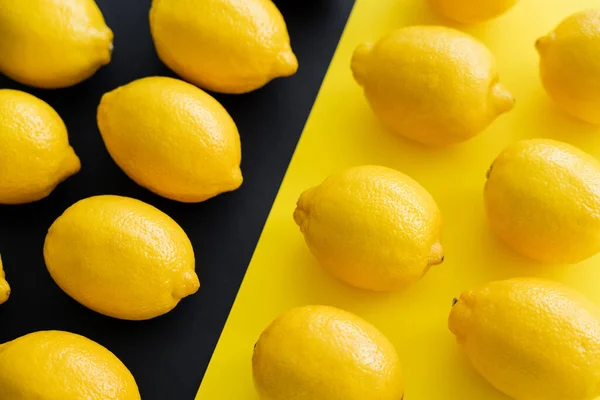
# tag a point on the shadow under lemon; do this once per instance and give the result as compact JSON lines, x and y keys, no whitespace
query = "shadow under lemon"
{"x":547,"y":120}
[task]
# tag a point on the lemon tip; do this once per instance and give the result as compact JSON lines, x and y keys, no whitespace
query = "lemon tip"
{"x":302,"y":213}
{"x":436,"y":255}
{"x":287,"y":63}
{"x":236,"y":178}
{"x":188,"y":285}
{"x":489,"y":172}
{"x":502,"y":98}
{"x":6,"y":291}
{"x":358,"y":63}
{"x":458,"y":319}
{"x":542,"y":43}
{"x":300,"y":217}
{"x":72,"y":162}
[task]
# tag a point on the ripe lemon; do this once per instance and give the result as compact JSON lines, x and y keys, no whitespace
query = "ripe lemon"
{"x":431,"y":84}
{"x":543,"y":200}
{"x":471,"y":11}
{"x":4,"y":287}
{"x":322,"y":353}
{"x":372,"y":227}
{"x":52,"y":43}
{"x":121,"y":257}
{"x":52,"y":365}
{"x":172,"y":138}
{"x":531,"y":339}
{"x":35,"y":154}
{"x":228,"y":46}
{"x":570,"y":65}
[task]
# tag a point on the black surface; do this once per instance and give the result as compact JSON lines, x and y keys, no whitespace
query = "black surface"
{"x":167,"y":355}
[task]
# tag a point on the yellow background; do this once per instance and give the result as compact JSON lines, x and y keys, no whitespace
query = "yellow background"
{"x":342,"y":132}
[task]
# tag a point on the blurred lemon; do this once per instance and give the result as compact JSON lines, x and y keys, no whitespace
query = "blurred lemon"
{"x":172,"y":138}
{"x":35,"y":154}
{"x":4,"y":287}
{"x":121,"y":257}
{"x":431,"y":84}
{"x":471,"y":11}
{"x":322,"y":353}
{"x":54,"y":365}
{"x":52,"y":43}
{"x":531,"y":339}
{"x":229,"y":46}
{"x":543,"y":200}
{"x":372,"y":227}
{"x":570,"y":65}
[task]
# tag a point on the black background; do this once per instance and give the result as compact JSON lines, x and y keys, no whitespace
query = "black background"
{"x":167,"y":355}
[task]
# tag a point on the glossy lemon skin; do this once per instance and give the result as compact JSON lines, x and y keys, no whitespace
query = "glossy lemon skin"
{"x":52,"y":44}
{"x":472,"y":11}
{"x":121,"y":257}
{"x":323,"y":353}
{"x":34,"y":148}
{"x":543,"y":200}
{"x":531,"y":339}
{"x":172,"y":138}
{"x":431,"y":84}
{"x":228,"y":46}
{"x":570,"y":65}
{"x":55,"y":365}
{"x":372,"y":227}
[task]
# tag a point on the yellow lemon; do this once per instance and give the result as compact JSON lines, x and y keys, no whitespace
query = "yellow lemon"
{"x":35,"y":154}
{"x":322,"y":353}
{"x":4,"y":287}
{"x":434,"y":85}
{"x":471,"y":11}
{"x":52,"y":365}
{"x":172,"y":138}
{"x":531,"y":339}
{"x":228,"y":46}
{"x":372,"y":227}
{"x":570,"y":65}
{"x":52,"y":43}
{"x":543,"y":200}
{"x":121,"y":257}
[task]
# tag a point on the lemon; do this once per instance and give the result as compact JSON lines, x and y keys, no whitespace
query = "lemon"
{"x":471,"y":11}
{"x":570,"y":65}
{"x":322,"y":353}
{"x":171,"y":138}
{"x":372,"y":227}
{"x":4,"y":286}
{"x":121,"y":257}
{"x":434,"y":85}
{"x":531,"y":339}
{"x":543,"y":200}
{"x":35,"y":155}
{"x":52,"y":365}
{"x":52,"y":43}
{"x":228,"y":46}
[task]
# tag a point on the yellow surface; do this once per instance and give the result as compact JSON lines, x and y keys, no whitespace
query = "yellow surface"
{"x":343,"y":132}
